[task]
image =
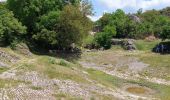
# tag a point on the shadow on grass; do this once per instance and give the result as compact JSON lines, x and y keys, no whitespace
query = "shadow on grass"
{"x":68,"y":55}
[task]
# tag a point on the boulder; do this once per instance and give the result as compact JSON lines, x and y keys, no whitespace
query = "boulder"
{"x":116,"y":42}
{"x":135,"y":18}
{"x":23,"y":49}
{"x":129,"y":44}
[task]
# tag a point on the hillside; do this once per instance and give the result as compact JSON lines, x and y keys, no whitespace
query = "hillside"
{"x":113,"y":74}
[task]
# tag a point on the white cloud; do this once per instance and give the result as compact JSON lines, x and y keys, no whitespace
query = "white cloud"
{"x":94,"y":18}
{"x":135,"y":4}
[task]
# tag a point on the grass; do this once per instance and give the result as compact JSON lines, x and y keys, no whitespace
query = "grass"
{"x":36,"y":88}
{"x":7,"y":83}
{"x":63,"y":96}
{"x":3,"y":70}
{"x":159,"y":65}
{"x":58,"y":69}
{"x":162,"y":91}
{"x":146,"y":45}
{"x":105,"y":79}
{"x":63,"y":63}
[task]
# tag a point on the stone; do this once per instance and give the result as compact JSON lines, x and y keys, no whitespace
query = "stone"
{"x":23,"y":49}
{"x":129,"y":44}
{"x":135,"y":18}
{"x":9,"y":57}
{"x":3,"y":64}
{"x":116,"y":42}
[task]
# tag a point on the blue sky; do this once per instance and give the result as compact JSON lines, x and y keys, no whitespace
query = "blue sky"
{"x":129,"y":6}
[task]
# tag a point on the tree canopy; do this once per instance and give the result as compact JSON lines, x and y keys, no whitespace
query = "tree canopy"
{"x":10,"y":28}
{"x":139,"y":25}
{"x":54,"y":23}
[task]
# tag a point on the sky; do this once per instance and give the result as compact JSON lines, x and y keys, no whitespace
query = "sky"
{"x":129,"y":6}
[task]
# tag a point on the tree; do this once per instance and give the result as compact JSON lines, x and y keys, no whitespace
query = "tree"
{"x":73,"y":27}
{"x":62,"y":29}
{"x":29,"y":11}
{"x":10,"y":28}
{"x":86,"y":7}
{"x":165,"y":34}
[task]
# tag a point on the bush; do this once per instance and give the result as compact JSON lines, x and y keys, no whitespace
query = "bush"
{"x":63,"y":63}
{"x":52,"y":61}
{"x":103,"y":39}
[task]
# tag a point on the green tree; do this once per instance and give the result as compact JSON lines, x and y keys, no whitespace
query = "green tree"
{"x":10,"y":28}
{"x":63,"y":28}
{"x":73,"y":27}
{"x":103,"y":39}
{"x":165,"y":34}
{"x":29,"y":11}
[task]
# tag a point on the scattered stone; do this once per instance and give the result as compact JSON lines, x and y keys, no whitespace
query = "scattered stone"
{"x":3,"y":65}
{"x":9,"y":57}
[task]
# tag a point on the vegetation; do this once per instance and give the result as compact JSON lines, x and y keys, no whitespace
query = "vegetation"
{"x":55,"y":24}
{"x":139,"y":25}
{"x":10,"y":28}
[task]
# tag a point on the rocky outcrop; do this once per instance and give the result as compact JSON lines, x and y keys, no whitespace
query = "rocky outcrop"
{"x":135,"y":18}
{"x":23,"y":49}
{"x":127,"y":44}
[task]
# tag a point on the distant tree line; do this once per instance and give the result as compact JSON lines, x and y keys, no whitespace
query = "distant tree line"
{"x":138,"y":25}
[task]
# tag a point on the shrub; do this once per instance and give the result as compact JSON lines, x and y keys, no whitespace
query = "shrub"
{"x":52,"y":61}
{"x":63,"y":63}
{"x":103,"y":39}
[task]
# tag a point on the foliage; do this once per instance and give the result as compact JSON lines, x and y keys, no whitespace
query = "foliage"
{"x":10,"y":28}
{"x":29,"y":11}
{"x":151,"y":22}
{"x":54,"y":23}
{"x":103,"y":39}
{"x":73,"y":27}
{"x":165,"y":32}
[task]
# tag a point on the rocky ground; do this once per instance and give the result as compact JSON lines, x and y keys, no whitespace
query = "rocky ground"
{"x":103,"y":75}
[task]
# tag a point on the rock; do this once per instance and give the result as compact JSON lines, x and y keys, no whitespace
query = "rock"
{"x":135,"y":18}
{"x":3,"y":64}
{"x":150,"y":38}
{"x":23,"y":49}
{"x":116,"y":42}
{"x":9,"y":57}
{"x":129,"y":44}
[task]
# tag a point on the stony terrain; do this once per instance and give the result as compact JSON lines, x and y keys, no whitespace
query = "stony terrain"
{"x":100,"y":75}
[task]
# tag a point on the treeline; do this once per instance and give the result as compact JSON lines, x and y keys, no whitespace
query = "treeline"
{"x":138,"y":25}
{"x":48,"y":24}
